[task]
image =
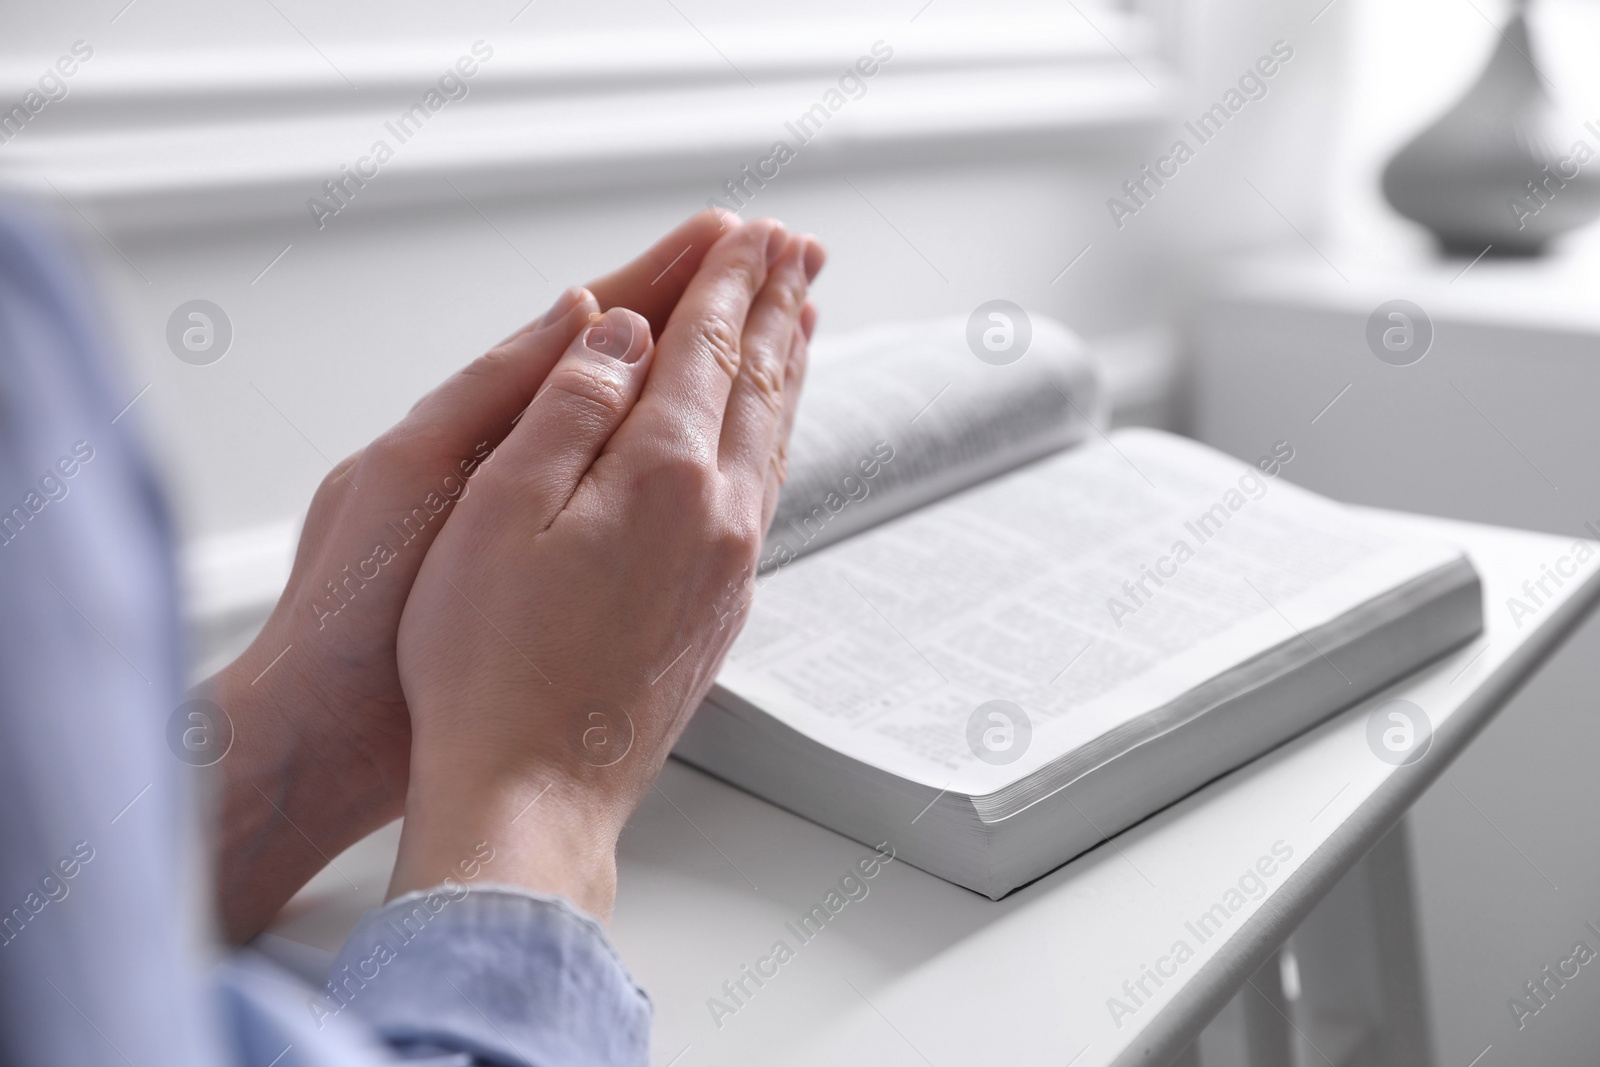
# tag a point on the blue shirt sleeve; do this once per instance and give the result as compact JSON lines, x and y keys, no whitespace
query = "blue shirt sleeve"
{"x":512,"y":977}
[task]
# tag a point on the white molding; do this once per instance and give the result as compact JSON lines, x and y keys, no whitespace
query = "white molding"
{"x":174,"y":140}
{"x":240,"y":572}
{"x":612,"y":58}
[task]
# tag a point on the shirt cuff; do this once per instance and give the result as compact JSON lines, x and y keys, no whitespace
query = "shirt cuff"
{"x":510,"y":976}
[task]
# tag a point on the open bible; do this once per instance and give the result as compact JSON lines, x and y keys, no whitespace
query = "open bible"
{"x":993,"y":635}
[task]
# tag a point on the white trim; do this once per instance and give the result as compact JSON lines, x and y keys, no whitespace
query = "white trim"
{"x":608,"y":59}
{"x":238,"y":574}
{"x":160,"y":141}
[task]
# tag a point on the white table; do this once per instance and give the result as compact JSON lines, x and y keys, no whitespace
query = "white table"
{"x":922,"y":971}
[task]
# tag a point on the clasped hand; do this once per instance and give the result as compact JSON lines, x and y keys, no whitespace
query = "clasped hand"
{"x":520,"y":667}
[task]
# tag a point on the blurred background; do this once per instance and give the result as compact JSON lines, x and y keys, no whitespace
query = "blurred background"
{"x":191,"y":148}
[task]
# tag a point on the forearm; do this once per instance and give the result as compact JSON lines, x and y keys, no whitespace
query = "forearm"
{"x":549,"y":831}
{"x":298,"y":785}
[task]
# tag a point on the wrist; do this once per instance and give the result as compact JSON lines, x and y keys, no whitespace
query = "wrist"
{"x":293,"y":729}
{"x":299,"y":783}
{"x":544,"y":830}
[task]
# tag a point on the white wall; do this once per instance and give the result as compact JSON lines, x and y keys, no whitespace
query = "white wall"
{"x":978,"y":165}
{"x":1503,"y":844}
{"x":975,"y":166}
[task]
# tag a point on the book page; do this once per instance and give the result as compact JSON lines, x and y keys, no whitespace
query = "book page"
{"x":1061,"y":587}
{"x":899,"y":415}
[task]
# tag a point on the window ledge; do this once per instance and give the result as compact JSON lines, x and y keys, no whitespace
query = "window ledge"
{"x":164,"y":141}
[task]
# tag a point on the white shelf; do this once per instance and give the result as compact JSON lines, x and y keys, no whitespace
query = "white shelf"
{"x":709,"y":875}
{"x":1558,"y":292}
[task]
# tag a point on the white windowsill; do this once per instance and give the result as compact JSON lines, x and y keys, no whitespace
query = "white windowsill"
{"x":182,"y":140}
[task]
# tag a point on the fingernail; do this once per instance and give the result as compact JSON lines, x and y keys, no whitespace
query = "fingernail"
{"x":808,"y":320}
{"x":775,"y":242}
{"x":564,"y":303}
{"x":614,"y":336}
{"x":814,"y":256}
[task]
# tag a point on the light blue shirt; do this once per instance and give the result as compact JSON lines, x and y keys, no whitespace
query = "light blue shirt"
{"x":106,"y":947}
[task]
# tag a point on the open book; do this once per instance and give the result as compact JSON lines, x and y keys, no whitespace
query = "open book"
{"x":992,"y":635}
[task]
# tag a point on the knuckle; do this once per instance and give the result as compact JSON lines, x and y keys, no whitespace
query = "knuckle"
{"x":718,"y":337}
{"x":678,"y":477}
{"x":588,"y":389}
{"x":749,"y":265}
{"x":336,"y":480}
{"x":789,"y":295}
{"x":780,"y":461}
{"x":765,"y":376}
{"x":734,"y":543}
{"x":487,"y":367}
{"x":394,"y":451}
{"x":799,"y":359}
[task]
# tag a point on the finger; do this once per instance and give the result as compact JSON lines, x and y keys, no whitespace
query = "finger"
{"x":423,"y":464}
{"x":586,"y":396}
{"x":755,"y":404}
{"x":420,"y":466}
{"x":687,"y":392}
{"x":653,"y":283}
{"x":778,"y":462}
{"x":476,"y":407}
{"x":816,"y":258}
{"x":560,"y":307}
{"x":808,"y":319}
